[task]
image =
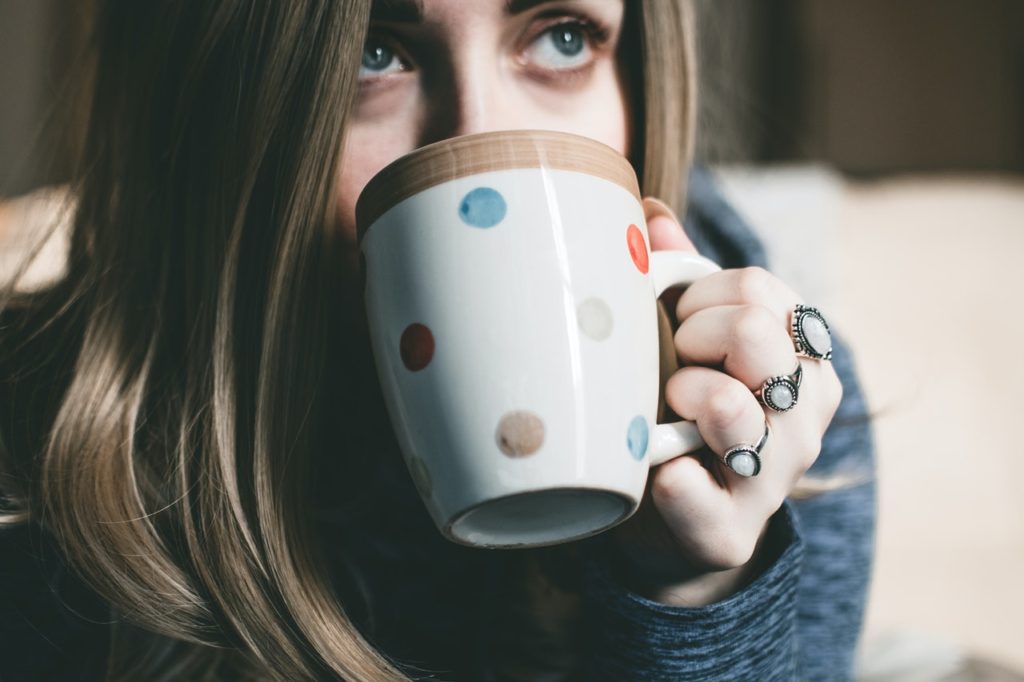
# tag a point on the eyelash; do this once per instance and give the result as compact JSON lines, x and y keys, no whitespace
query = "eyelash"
{"x":596,"y":34}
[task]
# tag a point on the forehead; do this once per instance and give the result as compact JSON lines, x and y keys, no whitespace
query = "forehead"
{"x":416,"y":11}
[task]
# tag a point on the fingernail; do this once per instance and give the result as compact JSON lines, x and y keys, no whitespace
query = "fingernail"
{"x":654,"y":206}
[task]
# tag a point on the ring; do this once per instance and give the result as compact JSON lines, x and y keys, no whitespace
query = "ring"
{"x":745,"y":460}
{"x":811,"y":336}
{"x":780,"y":393}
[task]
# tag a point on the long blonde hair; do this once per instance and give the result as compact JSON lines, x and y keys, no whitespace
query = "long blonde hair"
{"x":187,"y":341}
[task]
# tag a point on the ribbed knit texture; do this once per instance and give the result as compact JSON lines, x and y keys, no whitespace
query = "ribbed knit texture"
{"x":751,"y":635}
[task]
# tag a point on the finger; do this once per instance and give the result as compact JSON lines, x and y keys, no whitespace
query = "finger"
{"x":663,"y":227}
{"x":749,"y":341}
{"x":725,"y":411}
{"x":751,"y":286}
{"x":727,"y":415}
{"x":666,"y":233}
{"x":691,"y":501}
{"x":820,"y":394}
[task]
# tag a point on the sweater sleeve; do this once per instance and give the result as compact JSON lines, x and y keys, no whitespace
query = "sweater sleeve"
{"x":751,"y":635}
{"x":799,"y":619}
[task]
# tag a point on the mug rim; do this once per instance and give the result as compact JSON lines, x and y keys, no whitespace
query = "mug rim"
{"x":433,"y":164}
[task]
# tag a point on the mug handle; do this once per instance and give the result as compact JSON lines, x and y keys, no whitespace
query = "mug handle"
{"x":667,"y":269}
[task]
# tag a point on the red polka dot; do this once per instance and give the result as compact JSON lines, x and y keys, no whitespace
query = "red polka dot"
{"x":637,"y":247}
{"x":417,"y":346}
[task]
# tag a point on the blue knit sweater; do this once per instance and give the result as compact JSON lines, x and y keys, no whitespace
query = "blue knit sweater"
{"x":447,"y":612}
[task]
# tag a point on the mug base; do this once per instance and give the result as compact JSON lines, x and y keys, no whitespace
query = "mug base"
{"x":539,"y":517}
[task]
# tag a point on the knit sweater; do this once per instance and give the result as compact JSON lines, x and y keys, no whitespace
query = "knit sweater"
{"x":447,"y":612}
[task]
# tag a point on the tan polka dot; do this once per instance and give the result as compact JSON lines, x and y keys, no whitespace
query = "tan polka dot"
{"x":520,"y":433}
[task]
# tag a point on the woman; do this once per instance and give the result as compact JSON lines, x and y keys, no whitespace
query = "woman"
{"x":197,"y":454}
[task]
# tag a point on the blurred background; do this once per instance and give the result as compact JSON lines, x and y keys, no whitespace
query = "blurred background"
{"x":888,"y":136}
{"x":878,"y":147}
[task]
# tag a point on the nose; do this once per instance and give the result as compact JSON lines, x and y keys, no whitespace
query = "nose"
{"x":466,"y":98}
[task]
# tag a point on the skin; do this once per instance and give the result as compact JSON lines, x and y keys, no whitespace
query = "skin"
{"x":473,"y":67}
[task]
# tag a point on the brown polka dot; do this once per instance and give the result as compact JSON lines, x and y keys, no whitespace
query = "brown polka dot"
{"x":421,"y":476}
{"x":417,"y":346}
{"x":520,"y":433}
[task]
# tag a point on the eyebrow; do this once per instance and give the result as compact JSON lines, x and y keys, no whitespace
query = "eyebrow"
{"x":397,"y":11}
{"x":411,"y":11}
{"x":520,"y":6}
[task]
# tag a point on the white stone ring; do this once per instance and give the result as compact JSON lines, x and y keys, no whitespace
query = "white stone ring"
{"x":744,"y":459}
{"x":780,"y":393}
{"x":811,"y":336}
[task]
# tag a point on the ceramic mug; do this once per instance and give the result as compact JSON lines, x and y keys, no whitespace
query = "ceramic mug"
{"x":511,"y":301}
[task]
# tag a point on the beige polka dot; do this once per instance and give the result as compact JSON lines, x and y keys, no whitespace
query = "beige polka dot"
{"x":595,"y":318}
{"x":520,"y":433}
{"x":421,"y":476}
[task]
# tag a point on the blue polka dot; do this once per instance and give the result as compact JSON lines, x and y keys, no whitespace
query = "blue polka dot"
{"x":636,"y":438}
{"x":482,"y":207}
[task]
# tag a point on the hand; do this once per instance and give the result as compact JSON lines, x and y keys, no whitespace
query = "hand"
{"x":695,"y":537}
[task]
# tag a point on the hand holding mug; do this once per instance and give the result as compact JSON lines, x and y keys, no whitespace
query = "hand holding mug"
{"x":693,"y":539}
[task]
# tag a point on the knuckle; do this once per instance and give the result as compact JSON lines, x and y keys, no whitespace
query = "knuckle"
{"x":664,"y":485}
{"x":752,"y":283}
{"x":667,"y":483}
{"x":679,"y":338}
{"x":675,"y":386}
{"x":726,"y":405}
{"x":754,"y":325}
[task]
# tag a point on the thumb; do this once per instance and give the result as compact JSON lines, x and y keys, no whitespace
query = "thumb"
{"x":663,"y":227}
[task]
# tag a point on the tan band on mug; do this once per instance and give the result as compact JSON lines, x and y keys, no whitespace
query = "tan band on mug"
{"x":502,"y":150}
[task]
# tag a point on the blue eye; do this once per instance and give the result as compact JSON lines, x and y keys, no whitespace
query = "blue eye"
{"x":567,"y":40}
{"x":379,"y":60}
{"x":562,"y":47}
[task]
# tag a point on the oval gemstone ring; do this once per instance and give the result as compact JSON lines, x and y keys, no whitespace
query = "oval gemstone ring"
{"x":810,"y":332}
{"x":780,"y":393}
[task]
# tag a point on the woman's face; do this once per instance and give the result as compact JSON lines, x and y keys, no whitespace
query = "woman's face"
{"x":434,"y":69}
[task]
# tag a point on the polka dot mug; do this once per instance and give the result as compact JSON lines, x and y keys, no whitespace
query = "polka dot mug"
{"x":511,"y":301}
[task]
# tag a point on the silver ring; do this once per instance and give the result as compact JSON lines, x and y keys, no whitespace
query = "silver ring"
{"x":780,"y":393}
{"x":744,"y":459}
{"x":810,"y":332}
